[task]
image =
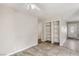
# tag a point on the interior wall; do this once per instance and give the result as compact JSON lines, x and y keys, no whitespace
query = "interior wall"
{"x":17,"y":30}
{"x":63,"y":32}
{"x":40,"y":31}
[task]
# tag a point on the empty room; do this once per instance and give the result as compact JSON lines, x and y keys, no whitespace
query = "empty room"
{"x":39,"y":29}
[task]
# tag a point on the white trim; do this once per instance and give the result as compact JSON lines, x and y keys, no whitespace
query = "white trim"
{"x":21,"y":50}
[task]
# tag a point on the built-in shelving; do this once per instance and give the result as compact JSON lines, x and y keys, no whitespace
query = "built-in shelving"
{"x":48,"y":31}
{"x":56,"y":31}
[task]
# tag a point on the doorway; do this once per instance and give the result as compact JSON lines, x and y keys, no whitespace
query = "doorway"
{"x":72,"y":41}
{"x":73,"y":30}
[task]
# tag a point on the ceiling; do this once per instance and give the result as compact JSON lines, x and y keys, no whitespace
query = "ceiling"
{"x":47,"y":10}
{"x":59,"y":9}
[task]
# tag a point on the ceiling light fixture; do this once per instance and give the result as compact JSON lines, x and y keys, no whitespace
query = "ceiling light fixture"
{"x":30,"y":6}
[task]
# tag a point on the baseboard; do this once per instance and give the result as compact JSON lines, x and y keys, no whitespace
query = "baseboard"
{"x":20,"y":50}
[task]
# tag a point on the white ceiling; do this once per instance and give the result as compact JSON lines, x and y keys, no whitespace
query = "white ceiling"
{"x":59,"y":9}
{"x":49,"y":9}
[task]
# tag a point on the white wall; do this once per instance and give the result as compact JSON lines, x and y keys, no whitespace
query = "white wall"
{"x":17,"y":31}
{"x":40,"y":30}
{"x":63,"y":32}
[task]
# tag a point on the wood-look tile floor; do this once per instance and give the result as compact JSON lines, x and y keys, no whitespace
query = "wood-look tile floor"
{"x":72,"y":44}
{"x":47,"y":49}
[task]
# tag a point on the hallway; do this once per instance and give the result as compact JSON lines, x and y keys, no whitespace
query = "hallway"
{"x":47,"y":49}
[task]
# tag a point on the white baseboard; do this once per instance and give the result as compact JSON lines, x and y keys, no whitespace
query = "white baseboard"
{"x":20,"y":50}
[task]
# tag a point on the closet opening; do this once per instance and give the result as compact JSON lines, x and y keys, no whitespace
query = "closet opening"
{"x":56,"y":32}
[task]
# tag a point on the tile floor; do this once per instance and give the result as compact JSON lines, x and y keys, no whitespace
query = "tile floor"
{"x":47,"y":49}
